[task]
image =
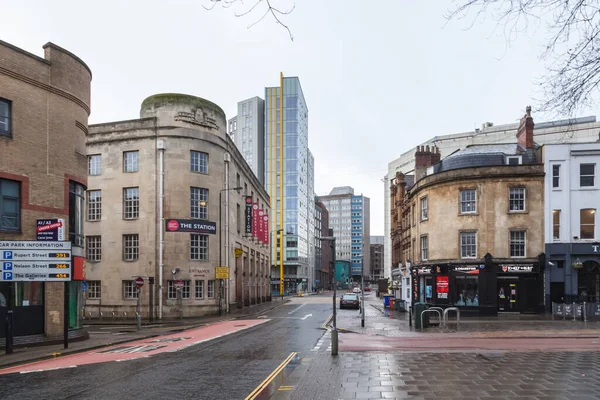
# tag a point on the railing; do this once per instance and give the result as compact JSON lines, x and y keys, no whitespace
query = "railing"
{"x":583,"y":311}
{"x":457,"y":315}
{"x":428,"y":311}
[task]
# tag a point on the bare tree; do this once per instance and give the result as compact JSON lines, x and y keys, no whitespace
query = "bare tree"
{"x":263,"y":7}
{"x":572,"y":53}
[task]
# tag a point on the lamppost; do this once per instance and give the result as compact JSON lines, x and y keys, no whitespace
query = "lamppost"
{"x":334,"y":332}
{"x":221,"y":249}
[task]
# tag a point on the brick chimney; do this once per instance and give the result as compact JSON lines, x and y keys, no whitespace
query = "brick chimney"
{"x":525,"y":132}
{"x":425,"y":157}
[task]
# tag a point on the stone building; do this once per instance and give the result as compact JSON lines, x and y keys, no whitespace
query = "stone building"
{"x":476,"y":222}
{"x":170,"y":199}
{"x":44,"y":109}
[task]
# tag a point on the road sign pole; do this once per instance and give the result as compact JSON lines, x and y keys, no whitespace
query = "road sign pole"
{"x":9,"y":320}
{"x":66,"y":317}
{"x":139,"y":309}
{"x":181,"y":305}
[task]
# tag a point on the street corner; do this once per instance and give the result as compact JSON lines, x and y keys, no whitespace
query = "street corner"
{"x":140,"y":348}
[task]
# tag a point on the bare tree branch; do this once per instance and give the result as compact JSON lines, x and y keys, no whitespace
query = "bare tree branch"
{"x":572,"y":53}
{"x":270,"y":10}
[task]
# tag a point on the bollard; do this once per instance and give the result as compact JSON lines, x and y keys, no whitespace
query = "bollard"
{"x":410,"y":316}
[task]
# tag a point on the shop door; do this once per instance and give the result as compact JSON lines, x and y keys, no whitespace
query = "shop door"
{"x":507,"y":296}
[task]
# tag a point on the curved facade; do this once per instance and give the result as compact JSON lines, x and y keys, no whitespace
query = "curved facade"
{"x":179,"y":143}
{"x":44,"y":109}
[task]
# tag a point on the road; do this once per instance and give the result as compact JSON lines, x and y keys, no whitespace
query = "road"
{"x":229,"y":366}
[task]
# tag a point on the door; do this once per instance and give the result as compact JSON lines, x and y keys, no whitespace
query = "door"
{"x":557,"y":292}
{"x":507,"y":296}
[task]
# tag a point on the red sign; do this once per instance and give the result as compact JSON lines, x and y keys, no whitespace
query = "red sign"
{"x":441,"y":284}
{"x":266,"y":227}
{"x":178,"y":284}
{"x":261,"y":225}
{"x":255,"y":219}
{"x":79,"y":268}
{"x":172,"y":225}
{"x":139,"y":281}
{"x":49,"y":226}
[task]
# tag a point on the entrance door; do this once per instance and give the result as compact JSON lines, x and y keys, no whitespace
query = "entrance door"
{"x":507,"y":296}
{"x":557,"y":292}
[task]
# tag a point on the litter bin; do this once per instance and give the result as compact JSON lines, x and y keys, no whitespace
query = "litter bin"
{"x":400,"y":305}
{"x":419,"y":308}
{"x":386,"y":300}
{"x":392,"y":301}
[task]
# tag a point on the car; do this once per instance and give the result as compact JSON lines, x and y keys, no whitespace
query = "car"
{"x":356,"y":290}
{"x":367,"y":289}
{"x":349,"y":300}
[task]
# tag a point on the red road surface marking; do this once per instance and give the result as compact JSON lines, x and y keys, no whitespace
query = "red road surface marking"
{"x":140,"y":348}
{"x":357,"y":342}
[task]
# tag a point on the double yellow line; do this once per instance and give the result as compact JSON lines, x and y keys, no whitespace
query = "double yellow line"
{"x":269,"y":378}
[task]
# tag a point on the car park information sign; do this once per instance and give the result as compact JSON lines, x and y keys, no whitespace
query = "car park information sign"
{"x":37,"y":261}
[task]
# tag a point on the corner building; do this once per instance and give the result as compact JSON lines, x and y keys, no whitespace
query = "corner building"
{"x":44,"y":109}
{"x":179,"y":152}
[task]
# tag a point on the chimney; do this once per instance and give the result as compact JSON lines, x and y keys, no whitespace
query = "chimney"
{"x":525,"y":132}
{"x":425,"y":157}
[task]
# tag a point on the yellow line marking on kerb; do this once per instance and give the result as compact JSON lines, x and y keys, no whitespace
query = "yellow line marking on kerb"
{"x":269,"y":378}
{"x":286,"y":387}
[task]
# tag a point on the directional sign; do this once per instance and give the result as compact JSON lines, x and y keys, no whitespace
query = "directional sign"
{"x":35,"y":261}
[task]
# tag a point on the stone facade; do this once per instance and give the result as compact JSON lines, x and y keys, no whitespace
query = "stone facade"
{"x":44,"y":151}
{"x":185,"y":127}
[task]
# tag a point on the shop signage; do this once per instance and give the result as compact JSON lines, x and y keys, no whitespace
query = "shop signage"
{"x":516,"y":268}
{"x":465,"y":268}
{"x":424,"y":271}
{"x":200,"y":272}
{"x":248,"y":214}
{"x":191,"y":225}
{"x":441,"y":285}
{"x":50,"y":229}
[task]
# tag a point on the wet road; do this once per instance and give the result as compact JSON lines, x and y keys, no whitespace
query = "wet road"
{"x":229,"y":367}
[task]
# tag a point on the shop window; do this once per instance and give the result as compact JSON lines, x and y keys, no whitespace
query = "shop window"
{"x":29,"y":294}
{"x":466,"y":293}
{"x":516,"y":199}
{"x":587,"y":218}
{"x":556,"y":175}
{"x":10,"y":205}
{"x":76,"y":210}
{"x":586,"y":174}
{"x":556,"y":224}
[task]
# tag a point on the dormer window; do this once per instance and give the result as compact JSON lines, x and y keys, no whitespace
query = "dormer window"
{"x":514,"y":160}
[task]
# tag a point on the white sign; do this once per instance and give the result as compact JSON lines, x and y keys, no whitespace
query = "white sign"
{"x":35,"y":261}
{"x":32,"y":244}
{"x":33,"y":255}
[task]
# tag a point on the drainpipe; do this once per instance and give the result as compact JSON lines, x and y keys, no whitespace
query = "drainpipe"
{"x":161,"y":145}
{"x":227,"y":159}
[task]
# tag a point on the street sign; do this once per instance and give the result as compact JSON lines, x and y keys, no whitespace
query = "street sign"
{"x":221,"y":273}
{"x":83,"y":286}
{"x":191,"y":225}
{"x":50,"y":229}
{"x":139,"y":282}
{"x":178,"y":284}
{"x":29,"y":260}
{"x":238,"y":252}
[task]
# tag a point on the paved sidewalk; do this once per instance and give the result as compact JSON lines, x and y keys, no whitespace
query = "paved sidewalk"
{"x":111,"y":334}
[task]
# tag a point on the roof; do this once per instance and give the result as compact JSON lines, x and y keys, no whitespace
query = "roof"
{"x":485,"y":155}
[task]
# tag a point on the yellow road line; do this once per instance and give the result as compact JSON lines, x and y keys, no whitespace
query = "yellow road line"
{"x":269,"y":378}
{"x":286,"y":387}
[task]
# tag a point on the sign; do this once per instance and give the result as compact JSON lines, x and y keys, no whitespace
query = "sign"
{"x":441,"y":286}
{"x":50,"y":229}
{"x":424,"y":271}
{"x":516,"y":268}
{"x":255,"y":219}
{"x":266,"y":217}
{"x":261,"y":231}
{"x":178,"y":284}
{"x":221,"y":273}
{"x":238,"y":252}
{"x":200,"y":272}
{"x":83,"y":286}
{"x":248,"y":215}
{"x":35,"y":261}
{"x":139,"y":282}
{"x":191,"y":225}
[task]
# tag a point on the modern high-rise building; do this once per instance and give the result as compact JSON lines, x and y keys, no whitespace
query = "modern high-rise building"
{"x":247,"y":130}
{"x":289,"y":179}
{"x":349,"y":216}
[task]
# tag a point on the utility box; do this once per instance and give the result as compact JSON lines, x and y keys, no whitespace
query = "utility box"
{"x":419,"y":308}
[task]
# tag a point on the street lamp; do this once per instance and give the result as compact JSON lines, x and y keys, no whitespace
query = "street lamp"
{"x":334,"y":332}
{"x":221,"y":250}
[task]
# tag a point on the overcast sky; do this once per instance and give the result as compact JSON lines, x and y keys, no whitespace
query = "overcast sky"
{"x":379,"y":77}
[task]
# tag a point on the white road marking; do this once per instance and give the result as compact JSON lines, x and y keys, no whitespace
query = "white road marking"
{"x":47,"y":369}
{"x":296,"y":309}
{"x":306,"y":316}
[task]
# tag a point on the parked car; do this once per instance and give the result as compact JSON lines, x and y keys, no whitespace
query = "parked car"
{"x":368,"y":289}
{"x":349,"y":300}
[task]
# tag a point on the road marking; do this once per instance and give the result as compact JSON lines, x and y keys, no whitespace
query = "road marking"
{"x":269,"y":378}
{"x":306,"y":316}
{"x":48,"y":369}
{"x":296,"y":309}
{"x":285,"y":388}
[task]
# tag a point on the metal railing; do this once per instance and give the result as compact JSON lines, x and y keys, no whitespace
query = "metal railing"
{"x":457,"y":315}
{"x":584,"y":311}
{"x":428,"y":311}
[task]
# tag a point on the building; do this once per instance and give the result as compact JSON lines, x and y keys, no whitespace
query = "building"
{"x":349,"y":216}
{"x":250,"y":135}
{"x":179,"y":151}
{"x":476,"y":223}
{"x":289,"y":175}
{"x":572,"y":130}
{"x":376,"y":258}
{"x":44,"y":109}
{"x":232,"y":127}
{"x":572,"y":193}
{"x":323,"y":253}
{"x":343,"y":274}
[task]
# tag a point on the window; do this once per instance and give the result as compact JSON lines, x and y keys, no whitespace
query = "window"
{"x":424,"y":248}
{"x":94,"y":205}
{"x":556,"y":175}
{"x":468,"y":244}
{"x":517,"y":243}
{"x":556,"y":224}
{"x":468,"y":201}
{"x":424,"y":214}
{"x":198,"y":203}
{"x":199,"y":292}
{"x":199,"y":162}
{"x":93,"y":248}
{"x":131,"y":161}
{"x":238,"y":218}
{"x":130,"y":291}
{"x":131,"y":203}
{"x":514,"y":160}
{"x":10,"y":205}
{"x":94,"y":289}
{"x":198,"y":247}
{"x":211,"y":289}
{"x":586,"y":174}
{"x":587,"y":223}
{"x":467,"y":291}
{"x":131,"y":247}
{"x":94,"y":164}
{"x":5,"y":117}
{"x":516,"y":199}
{"x":172,"y":291}
{"x":76,"y":210}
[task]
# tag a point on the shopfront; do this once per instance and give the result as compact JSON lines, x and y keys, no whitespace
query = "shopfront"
{"x":475,"y":288}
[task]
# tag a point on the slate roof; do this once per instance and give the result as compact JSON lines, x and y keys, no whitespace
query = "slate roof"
{"x":484,"y":155}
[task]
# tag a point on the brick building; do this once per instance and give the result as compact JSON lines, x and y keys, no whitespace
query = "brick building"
{"x":44,"y":109}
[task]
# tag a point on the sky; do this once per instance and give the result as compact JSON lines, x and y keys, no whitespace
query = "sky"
{"x":379,"y":77}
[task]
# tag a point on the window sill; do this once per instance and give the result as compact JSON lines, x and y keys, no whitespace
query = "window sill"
{"x":131,"y":261}
{"x":425,"y":220}
{"x":468,"y":214}
{"x":203,"y":261}
{"x":7,"y":135}
{"x":92,"y":261}
{"x":556,"y":189}
{"x":131,"y":219}
{"x":518,"y":212}
{"x":16,"y":232}
{"x":588,"y":188}
{"x":130,"y":172}
{"x":199,"y":172}
{"x":93,"y":220}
